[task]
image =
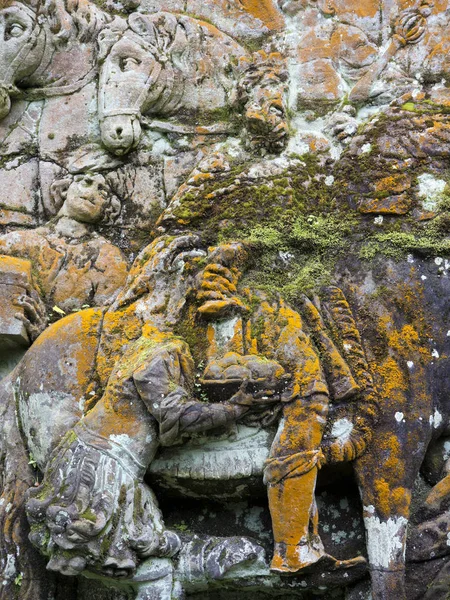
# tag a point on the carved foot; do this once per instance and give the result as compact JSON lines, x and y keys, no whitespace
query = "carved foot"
{"x":290,"y":560}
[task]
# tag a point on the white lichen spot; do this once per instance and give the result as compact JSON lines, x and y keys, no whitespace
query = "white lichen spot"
{"x":10,"y":569}
{"x":385,"y":540}
{"x":286,"y":257}
{"x":224,"y":330}
{"x":366,"y":148}
{"x":410,"y":258}
{"x":81,"y":403}
{"x":8,"y":508}
{"x":122,"y":439}
{"x":379,"y":220}
{"x":423,"y":277}
{"x":438,"y":261}
{"x":343,"y":503}
{"x":329,"y":180}
{"x":399,"y":417}
{"x":410,"y":364}
{"x":339,"y":536}
{"x":435,"y":353}
{"x":341,"y":430}
{"x":446,"y":450}
{"x":436,"y":419}
{"x":448,"y":538}
{"x":430,"y":190}
{"x":253,"y":519}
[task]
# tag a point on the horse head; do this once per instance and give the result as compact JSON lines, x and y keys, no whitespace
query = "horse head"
{"x":37,"y":58}
{"x":137,"y":75}
{"x":170,"y":65}
{"x":21,"y":49}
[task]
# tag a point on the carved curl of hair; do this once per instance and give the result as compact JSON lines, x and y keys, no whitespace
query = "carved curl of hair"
{"x":70,"y":19}
{"x":112,"y":211}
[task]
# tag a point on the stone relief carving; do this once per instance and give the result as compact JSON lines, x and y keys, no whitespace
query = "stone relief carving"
{"x":224,"y":281}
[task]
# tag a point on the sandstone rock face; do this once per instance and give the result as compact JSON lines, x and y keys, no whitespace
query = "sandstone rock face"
{"x":224,"y":299}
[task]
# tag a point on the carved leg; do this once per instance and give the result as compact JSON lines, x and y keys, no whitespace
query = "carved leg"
{"x":291,"y":505}
{"x":291,"y":474}
{"x":92,"y":511}
{"x":386,"y":513}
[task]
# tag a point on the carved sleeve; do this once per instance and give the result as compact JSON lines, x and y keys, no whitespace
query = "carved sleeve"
{"x":296,"y":352}
{"x":165,"y":384}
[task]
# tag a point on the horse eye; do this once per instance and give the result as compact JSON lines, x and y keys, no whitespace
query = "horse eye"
{"x":14,"y":30}
{"x":128,"y":62}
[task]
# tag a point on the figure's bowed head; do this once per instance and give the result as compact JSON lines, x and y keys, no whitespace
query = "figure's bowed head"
{"x":86,"y":198}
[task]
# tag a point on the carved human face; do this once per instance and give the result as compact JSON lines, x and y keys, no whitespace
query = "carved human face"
{"x":87,"y":198}
{"x":16,"y":26}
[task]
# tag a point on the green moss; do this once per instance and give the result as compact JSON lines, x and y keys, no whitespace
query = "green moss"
{"x":192,"y":329}
{"x":397,"y":244}
{"x":321,"y":232}
{"x":182,"y":527}
{"x":267,"y":236}
{"x":89,"y":515}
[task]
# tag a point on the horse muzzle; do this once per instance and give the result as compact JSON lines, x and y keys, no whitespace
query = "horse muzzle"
{"x":120,"y":133}
{"x":7,"y":90}
{"x":5,"y":102}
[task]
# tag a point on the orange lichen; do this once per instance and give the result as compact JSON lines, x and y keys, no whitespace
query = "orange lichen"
{"x":77,"y":333}
{"x":439,"y":493}
{"x":265,"y":11}
{"x":393,"y":184}
{"x":390,"y":499}
{"x":119,"y":329}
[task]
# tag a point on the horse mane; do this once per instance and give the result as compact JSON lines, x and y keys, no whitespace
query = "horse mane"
{"x":72,"y":19}
{"x":167,"y":34}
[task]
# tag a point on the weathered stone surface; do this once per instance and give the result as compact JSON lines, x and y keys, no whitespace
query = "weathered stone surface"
{"x":224,"y":314}
{"x":15,"y":278}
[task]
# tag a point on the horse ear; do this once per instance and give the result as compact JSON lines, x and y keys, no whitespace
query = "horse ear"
{"x":143,"y":25}
{"x":109,"y":36}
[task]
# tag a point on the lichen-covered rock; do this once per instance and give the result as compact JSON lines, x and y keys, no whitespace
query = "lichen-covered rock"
{"x":224,"y":284}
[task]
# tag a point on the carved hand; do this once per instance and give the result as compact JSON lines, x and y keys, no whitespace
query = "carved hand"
{"x":34,"y":315}
{"x":261,"y":381}
{"x":218,"y":292}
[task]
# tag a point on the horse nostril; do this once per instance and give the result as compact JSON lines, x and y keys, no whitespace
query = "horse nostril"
{"x":119,"y":131}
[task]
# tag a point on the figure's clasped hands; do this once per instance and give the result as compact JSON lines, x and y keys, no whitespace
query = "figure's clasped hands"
{"x":255,"y":382}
